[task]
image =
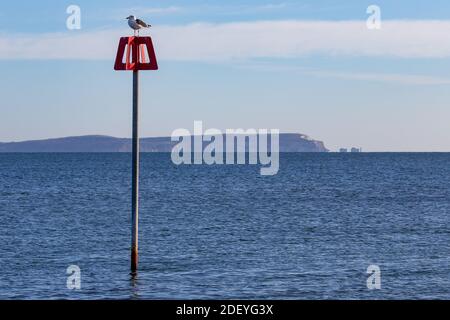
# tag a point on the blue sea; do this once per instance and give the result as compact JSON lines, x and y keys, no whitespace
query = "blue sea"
{"x":225,"y":231}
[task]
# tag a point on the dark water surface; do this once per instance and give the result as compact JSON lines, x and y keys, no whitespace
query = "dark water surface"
{"x":309,"y":232}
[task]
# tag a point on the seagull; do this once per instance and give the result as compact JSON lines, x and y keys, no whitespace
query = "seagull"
{"x":136,"y":24}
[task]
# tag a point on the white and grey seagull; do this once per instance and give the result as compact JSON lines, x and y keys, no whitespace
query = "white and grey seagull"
{"x":136,"y":24}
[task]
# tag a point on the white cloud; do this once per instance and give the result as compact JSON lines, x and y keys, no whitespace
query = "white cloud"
{"x":272,"y":6}
{"x":246,"y":40}
{"x":245,"y":8}
{"x":155,"y":10}
{"x":408,"y":79}
{"x":394,"y":78}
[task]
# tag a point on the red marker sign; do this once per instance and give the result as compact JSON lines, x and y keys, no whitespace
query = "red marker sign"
{"x":134,"y":49}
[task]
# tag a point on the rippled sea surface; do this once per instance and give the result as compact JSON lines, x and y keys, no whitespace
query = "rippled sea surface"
{"x":309,"y":232}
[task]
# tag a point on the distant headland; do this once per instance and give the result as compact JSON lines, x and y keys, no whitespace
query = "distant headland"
{"x":289,"y":142}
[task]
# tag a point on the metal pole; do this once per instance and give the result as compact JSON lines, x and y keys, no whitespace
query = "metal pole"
{"x":135,"y":175}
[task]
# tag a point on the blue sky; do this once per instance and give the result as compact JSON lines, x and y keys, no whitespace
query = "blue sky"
{"x":298,"y":66}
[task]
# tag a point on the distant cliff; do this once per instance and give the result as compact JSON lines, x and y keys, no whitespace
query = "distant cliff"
{"x":289,"y":142}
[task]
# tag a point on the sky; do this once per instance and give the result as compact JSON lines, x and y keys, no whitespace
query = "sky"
{"x":312,"y":67}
